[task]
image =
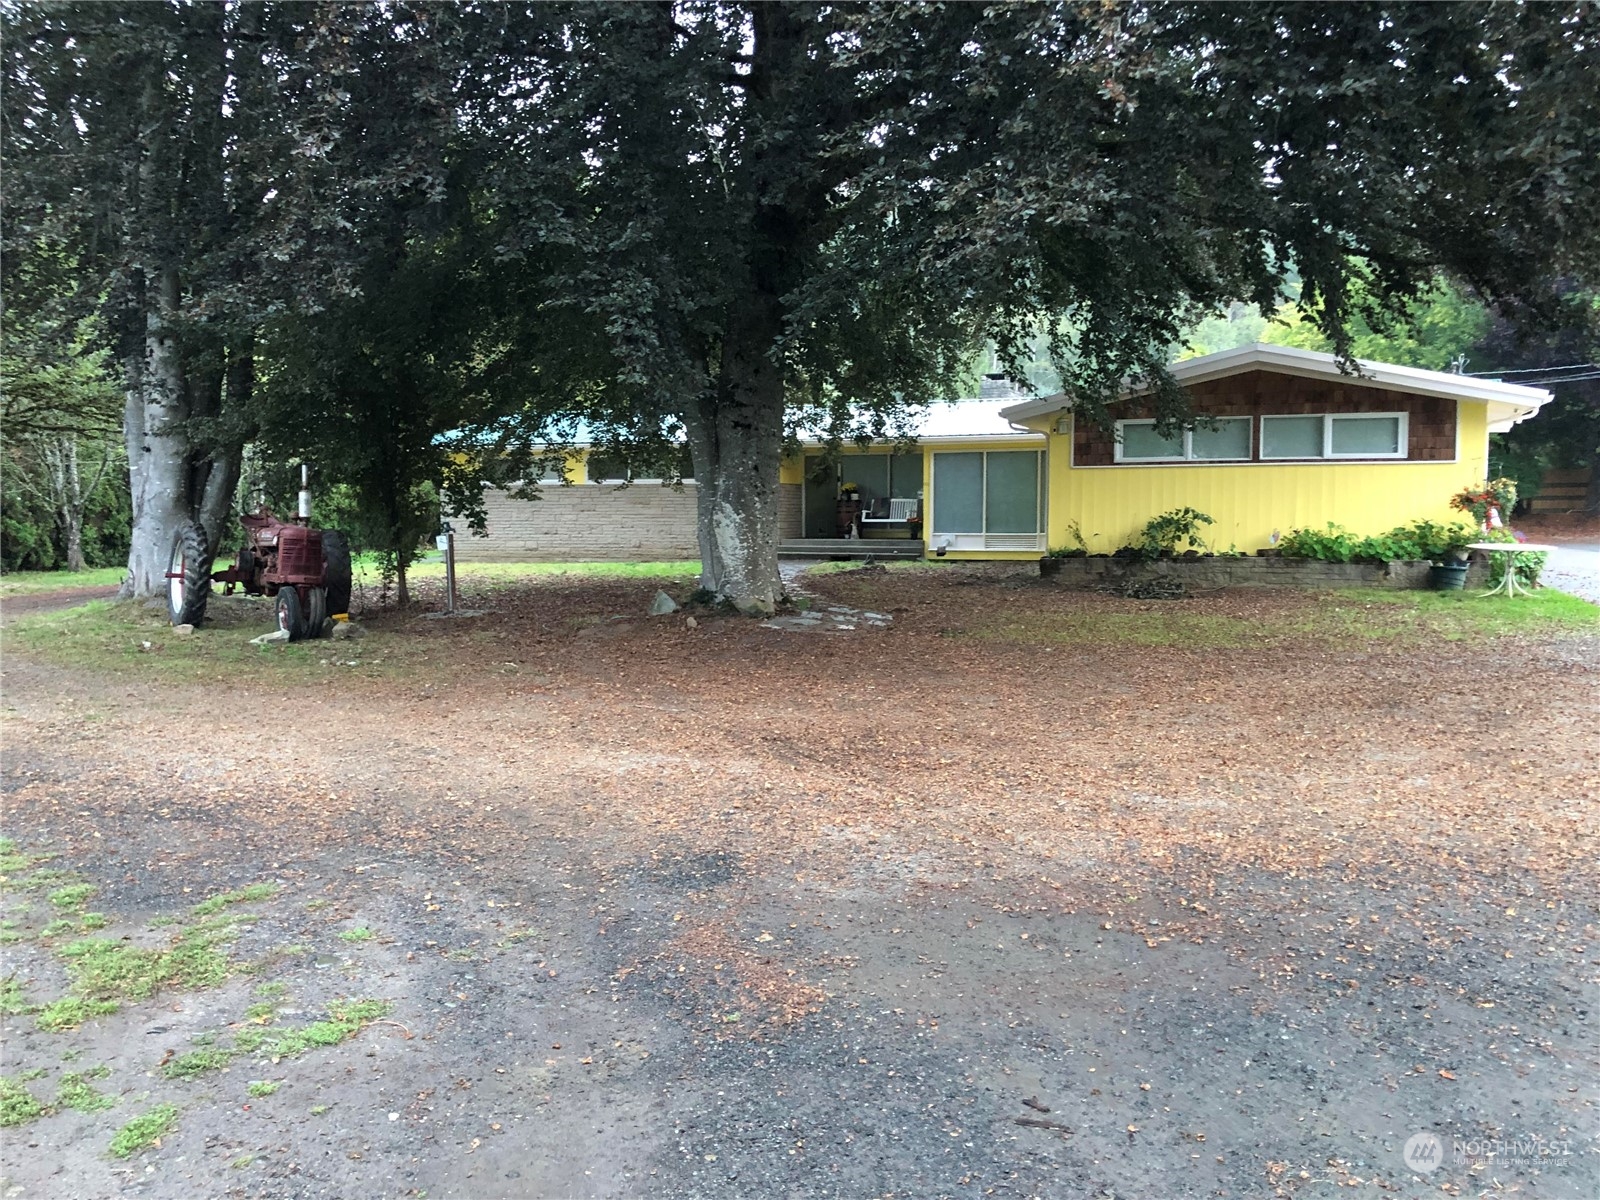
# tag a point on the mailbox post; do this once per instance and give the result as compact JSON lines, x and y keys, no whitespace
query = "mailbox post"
{"x":446,"y":542}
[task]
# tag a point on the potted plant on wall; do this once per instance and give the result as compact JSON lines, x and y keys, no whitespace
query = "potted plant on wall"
{"x":1445,"y":547}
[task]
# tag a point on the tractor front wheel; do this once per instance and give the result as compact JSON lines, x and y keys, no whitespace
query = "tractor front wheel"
{"x":291,"y":617}
{"x":316,"y":611}
{"x":188,"y":575}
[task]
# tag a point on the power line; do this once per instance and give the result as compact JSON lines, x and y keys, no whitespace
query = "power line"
{"x":1537,"y":370}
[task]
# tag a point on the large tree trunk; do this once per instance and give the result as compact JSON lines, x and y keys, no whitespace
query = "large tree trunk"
{"x":736,"y":439}
{"x":66,"y":494}
{"x":173,"y":385}
{"x":158,"y":446}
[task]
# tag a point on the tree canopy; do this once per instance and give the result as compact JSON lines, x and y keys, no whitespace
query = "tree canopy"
{"x":715,"y":219}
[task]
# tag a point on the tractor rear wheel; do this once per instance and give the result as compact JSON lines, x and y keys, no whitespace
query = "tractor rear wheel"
{"x":291,"y":617}
{"x":316,"y":611}
{"x":336,"y":560}
{"x":188,"y":575}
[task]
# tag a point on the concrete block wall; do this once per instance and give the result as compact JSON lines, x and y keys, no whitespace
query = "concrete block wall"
{"x":587,"y":523}
{"x":791,"y":516}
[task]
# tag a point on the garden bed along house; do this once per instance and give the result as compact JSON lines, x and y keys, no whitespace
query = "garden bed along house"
{"x":1229,"y":571}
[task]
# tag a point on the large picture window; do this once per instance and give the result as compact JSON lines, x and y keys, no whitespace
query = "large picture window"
{"x":1225,"y":439}
{"x":1335,"y":435}
{"x":991,"y":500}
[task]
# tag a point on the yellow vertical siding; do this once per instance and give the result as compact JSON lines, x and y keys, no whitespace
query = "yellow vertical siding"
{"x":1249,"y":502}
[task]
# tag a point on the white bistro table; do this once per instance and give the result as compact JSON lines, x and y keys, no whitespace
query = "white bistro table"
{"x":1508,"y":583}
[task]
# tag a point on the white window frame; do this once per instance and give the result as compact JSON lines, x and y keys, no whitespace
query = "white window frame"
{"x":1188,"y":444}
{"x":1404,"y":420}
{"x":984,"y":540}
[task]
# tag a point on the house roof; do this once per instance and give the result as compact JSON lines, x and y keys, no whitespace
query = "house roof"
{"x":1508,"y":402}
{"x":958,"y":420}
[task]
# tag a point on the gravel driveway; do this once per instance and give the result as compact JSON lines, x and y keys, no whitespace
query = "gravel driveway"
{"x":1575,"y":568}
{"x":712,"y":912}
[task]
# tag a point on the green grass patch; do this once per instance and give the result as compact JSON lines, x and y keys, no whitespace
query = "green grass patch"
{"x":59,"y":926}
{"x":39,"y":880}
{"x":76,"y":1092}
{"x":93,"y":921}
{"x":1451,"y":616}
{"x":263,"y":1087}
{"x":245,"y":895}
{"x":17,"y":1104}
{"x":73,"y":896}
{"x":1374,"y":616}
{"x":124,"y":638}
{"x":69,"y":1012}
{"x":345,"y":1020}
{"x":511,"y":572}
{"x":34,"y":583}
{"x":14,"y":860}
{"x":359,"y":934}
{"x":261,"y":1014}
{"x":104,"y":969}
{"x":13,"y":999}
{"x":145,"y":1130}
{"x":197,"y":1062}
{"x":275,"y":990}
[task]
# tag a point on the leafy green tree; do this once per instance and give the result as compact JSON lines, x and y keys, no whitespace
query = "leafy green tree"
{"x":60,"y":409}
{"x":206,"y":167}
{"x":1432,"y":331}
{"x":786,"y":210}
{"x":1566,"y":432}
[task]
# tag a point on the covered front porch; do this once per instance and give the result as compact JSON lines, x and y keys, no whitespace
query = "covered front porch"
{"x":862,"y":547}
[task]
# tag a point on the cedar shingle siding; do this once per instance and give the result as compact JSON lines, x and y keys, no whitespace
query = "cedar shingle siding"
{"x":1262,"y":393}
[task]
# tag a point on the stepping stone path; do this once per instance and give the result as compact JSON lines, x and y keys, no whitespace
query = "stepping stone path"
{"x":827,"y":618}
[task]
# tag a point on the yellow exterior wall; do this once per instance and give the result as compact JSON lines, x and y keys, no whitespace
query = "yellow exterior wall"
{"x":1249,"y":501}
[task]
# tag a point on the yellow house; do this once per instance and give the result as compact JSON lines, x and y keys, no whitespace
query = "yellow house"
{"x":1288,"y":441}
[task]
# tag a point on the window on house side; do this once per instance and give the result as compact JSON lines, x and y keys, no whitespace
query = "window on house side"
{"x":1138,"y":441}
{"x":1334,"y":435}
{"x":1227,"y":439}
{"x":1376,"y":436}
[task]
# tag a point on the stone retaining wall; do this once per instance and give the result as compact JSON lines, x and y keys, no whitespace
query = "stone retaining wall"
{"x":1204,"y":573}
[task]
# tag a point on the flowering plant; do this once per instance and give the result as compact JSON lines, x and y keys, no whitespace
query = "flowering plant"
{"x":1489,"y":503}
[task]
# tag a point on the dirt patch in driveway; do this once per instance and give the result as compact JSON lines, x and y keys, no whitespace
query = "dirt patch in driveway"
{"x":1244,"y":895}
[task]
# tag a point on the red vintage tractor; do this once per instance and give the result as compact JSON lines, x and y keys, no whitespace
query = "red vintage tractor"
{"x":307,"y":570}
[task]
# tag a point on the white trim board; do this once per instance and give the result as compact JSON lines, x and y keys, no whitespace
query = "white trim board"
{"x":1508,"y":402}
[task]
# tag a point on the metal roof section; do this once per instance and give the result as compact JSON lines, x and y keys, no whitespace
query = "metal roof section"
{"x":1508,"y":402}
{"x":956,"y":421}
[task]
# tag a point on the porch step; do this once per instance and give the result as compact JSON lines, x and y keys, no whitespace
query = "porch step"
{"x":852,"y":548}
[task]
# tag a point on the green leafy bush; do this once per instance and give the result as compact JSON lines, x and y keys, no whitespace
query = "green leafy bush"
{"x":1164,"y":534}
{"x":1332,"y":544}
{"x":1404,"y":543}
{"x":1529,"y":566}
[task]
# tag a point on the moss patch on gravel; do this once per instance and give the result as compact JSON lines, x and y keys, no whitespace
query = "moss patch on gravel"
{"x":17,"y":1104}
{"x":147,"y":1129}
